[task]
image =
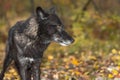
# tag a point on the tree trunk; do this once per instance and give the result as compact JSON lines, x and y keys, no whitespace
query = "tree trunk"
{"x":32,"y":6}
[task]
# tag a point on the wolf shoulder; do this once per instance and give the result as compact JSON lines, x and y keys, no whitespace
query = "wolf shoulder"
{"x":27,"y":27}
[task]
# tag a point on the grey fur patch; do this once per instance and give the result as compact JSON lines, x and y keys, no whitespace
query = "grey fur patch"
{"x":32,"y":28}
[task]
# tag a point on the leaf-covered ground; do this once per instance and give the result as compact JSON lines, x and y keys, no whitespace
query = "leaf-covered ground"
{"x":86,"y":66}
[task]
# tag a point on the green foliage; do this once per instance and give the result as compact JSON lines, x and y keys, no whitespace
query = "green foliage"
{"x":95,"y":32}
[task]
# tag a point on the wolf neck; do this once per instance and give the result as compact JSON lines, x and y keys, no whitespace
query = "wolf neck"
{"x":39,"y":39}
{"x":34,"y":31}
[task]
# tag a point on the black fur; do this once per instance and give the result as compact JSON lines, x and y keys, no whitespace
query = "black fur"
{"x":27,"y":40}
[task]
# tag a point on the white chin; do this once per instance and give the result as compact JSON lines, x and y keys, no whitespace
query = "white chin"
{"x":64,"y":44}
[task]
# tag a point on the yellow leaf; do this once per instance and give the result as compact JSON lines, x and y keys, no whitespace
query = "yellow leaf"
{"x":74,"y":61}
{"x":66,"y":77}
{"x":70,"y":70}
{"x":11,"y":70}
{"x":66,"y":66}
{"x":92,"y":57}
{"x":118,"y":52}
{"x":50,"y":57}
{"x":114,"y":51}
{"x":62,"y":72}
{"x":8,"y":75}
{"x":65,"y":59}
{"x":96,"y":66}
{"x":77,"y":72}
{"x":86,"y":73}
{"x":110,"y":76}
{"x":15,"y":74}
{"x":115,"y":72}
{"x":101,"y":71}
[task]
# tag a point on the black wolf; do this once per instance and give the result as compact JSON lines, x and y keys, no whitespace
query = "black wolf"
{"x":27,"y":40}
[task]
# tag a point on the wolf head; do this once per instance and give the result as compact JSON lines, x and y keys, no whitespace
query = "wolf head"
{"x":52,"y":28}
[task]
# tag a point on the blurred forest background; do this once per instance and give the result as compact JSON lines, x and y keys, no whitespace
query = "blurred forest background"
{"x":95,"y":26}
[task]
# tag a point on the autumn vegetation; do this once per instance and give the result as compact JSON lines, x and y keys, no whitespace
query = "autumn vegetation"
{"x":95,"y":26}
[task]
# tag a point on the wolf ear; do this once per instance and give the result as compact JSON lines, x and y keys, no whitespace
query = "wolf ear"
{"x":52,"y":10}
{"x":40,"y":13}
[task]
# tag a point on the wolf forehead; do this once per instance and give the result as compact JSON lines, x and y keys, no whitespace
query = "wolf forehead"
{"x":54,"y":19}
